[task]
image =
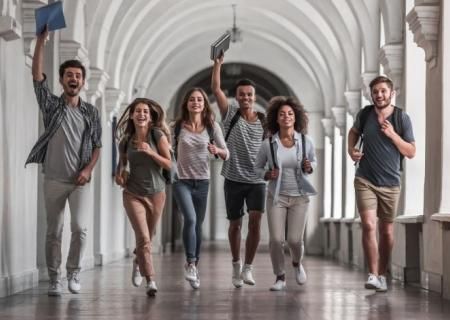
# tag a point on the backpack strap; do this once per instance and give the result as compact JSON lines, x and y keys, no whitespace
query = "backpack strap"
{"x":234,"y":120}
{"x":272,"y":152}
{"x":210,"y":131}
{"x":176,"y":134}
{"x":232,"y":123}
{"x":362,"y":122}
{"x":262,"y":119}
{"x":303,"y":147}
{"x":397,"y":119}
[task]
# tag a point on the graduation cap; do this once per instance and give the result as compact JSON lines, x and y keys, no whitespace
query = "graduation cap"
{"x":51,"y":15}
{"x":220,"y":46}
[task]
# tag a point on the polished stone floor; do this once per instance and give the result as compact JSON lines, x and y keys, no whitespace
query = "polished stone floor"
{"x":332,"y":292}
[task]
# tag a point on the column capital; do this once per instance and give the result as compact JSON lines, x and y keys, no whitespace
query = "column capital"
{"x":10,"y":29}
{"x":353,"y":99}
{"x":113,"y":100}
{"x":424,"y":21}
{"x":391,"y":57}
{"x":328,"y":127}
{"x":366,"y":78}
{"x":97,"y":81}
{"x":339,"y":116}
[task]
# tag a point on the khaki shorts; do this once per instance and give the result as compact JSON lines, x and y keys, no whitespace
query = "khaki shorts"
{"x":382,"y":199}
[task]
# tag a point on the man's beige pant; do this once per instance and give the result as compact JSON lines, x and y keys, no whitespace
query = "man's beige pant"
{"x":56,"y":194}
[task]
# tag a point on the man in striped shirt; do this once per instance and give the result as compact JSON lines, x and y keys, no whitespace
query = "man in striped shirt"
{"x":68,"y":150}
{"x":243,"y":134}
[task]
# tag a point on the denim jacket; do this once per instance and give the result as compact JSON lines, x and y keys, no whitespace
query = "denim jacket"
{"x":264,"y":162}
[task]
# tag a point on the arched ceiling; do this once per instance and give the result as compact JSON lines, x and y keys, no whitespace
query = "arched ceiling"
{"x":152,"y":47}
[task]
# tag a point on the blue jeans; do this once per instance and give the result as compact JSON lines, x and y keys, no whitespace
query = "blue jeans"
{"x":191,"y":196}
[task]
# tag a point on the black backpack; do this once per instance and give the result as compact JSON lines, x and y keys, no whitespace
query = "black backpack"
{"x":397,"y":123}
{"x":234,"y":120}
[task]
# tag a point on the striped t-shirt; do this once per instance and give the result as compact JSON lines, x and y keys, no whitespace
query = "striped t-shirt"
{"x":193,"y":155}
{"x":243,"y":143}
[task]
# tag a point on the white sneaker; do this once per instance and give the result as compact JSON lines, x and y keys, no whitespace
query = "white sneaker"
{"x":73,"y":282}
{"x":151,"y":288}
{"x":246,"y":274}
{"x":54,"y":288}
{"x":136,"y":278}
{"x":372,"y":282}
{"x":190,"y":272}
{"x":300,"y":274}
{"x":236,"y":278}
{"x":278,"y":285}
{"x":383,"y":284}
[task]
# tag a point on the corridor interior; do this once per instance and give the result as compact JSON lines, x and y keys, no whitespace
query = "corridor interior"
{"x":332,"y":292}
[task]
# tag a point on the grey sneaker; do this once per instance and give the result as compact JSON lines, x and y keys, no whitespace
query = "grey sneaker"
{"x":190,"y":272}
{"x":73,"y":282}
{"x":383,"y":284}
{"x":136,"y":278}
{"x":195,"y":284}
{"x":236,"y":278}
{"x":151,"y":288}
{"x":246,"y":274}
{"x":372,"y":282}
{"x":54,"y":288}
{"x":300,"y":274}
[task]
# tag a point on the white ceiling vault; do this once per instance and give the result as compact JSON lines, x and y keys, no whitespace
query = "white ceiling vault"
{"x":319,"y":48}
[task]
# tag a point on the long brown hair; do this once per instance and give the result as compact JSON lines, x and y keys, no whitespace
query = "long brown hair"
{"x":301,"y":119}
{"x":207,"y":114}
{"x":125,"y":126}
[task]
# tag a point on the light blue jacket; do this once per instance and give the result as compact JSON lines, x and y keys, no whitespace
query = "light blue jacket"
{"x":264,"y":162}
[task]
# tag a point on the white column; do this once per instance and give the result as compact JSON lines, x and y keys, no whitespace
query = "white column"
{"x":328,"y":126}
{"x":391,"y":57}
{"x":424,"y":22}
{"x":353,"y":106}
{"x":338,"y":152}
{"x":445,"y":144}
{"x":366,"y":78}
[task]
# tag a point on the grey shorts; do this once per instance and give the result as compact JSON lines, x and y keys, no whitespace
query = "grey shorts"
{"x":236,"y":193}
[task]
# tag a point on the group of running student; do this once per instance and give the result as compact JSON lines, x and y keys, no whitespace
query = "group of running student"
{"x":284,"y":158}
{"x":257,"y":149}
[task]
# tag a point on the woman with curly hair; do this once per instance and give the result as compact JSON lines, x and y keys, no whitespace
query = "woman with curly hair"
{"x":285,"y":159}
{"x":145,"y":146}
{"x":196,"y":135}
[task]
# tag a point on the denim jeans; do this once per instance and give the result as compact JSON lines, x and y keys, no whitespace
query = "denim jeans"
{"x":191,"y":196}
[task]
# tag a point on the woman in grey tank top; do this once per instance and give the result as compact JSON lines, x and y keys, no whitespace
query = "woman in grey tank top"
{"x":196,"y":137}
{"x":145,"y":148}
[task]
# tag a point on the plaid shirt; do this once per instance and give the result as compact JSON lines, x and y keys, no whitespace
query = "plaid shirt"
{"x":54,"y":110}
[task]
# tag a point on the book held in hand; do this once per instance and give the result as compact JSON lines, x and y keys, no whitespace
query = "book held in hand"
{"x":51,"y":15}
{"x":220,"y":46}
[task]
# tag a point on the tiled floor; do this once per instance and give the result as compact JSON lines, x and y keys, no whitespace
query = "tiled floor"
{"x":332,"y":292}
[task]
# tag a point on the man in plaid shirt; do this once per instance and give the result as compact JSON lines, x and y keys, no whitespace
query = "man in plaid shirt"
{"x":68,"y":150}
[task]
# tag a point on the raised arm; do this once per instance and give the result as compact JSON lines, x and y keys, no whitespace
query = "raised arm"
{"x":38,"y":57}
{"x":221,"y":98}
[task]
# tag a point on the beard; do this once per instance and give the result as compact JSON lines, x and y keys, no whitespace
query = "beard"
{"x":71,"y":91}
{"x":382,"y":104}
